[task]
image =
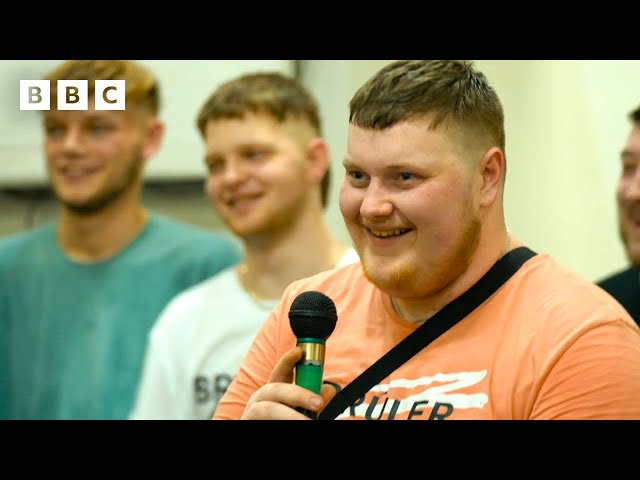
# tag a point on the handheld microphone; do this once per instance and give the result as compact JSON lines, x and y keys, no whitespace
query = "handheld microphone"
{"x":312,"y":317}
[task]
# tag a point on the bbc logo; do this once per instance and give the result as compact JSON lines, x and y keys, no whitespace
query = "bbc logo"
{"x":72,"y":95}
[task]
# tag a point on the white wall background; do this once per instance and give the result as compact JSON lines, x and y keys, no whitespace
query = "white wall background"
{"x":184,"y":84}
{"x":566,"y":122}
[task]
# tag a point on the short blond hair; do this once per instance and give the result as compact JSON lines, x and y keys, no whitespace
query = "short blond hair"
{"x":142,"y":87}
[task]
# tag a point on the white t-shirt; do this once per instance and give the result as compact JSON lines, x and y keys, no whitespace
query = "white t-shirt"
{"x":196,"y":346}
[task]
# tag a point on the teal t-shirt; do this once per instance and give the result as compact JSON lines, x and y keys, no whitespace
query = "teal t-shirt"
{"x":73,"y":335}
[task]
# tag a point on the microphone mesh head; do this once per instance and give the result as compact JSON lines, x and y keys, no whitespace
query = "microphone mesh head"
{"x":313,"y":315}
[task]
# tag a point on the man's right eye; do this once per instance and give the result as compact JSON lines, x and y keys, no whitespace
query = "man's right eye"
{"x":628,"y":168}
{"x":52,"y":131}
{"x":254,"y":154}
{"x":215,"y":167}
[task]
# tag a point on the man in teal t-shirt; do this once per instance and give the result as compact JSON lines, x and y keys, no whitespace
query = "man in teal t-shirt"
{"x":78,"y":298}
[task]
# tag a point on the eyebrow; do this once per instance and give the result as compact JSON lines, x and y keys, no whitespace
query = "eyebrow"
{"x":392,"y":167}
{"x":346,"y":162}
{"x":55,"y":115}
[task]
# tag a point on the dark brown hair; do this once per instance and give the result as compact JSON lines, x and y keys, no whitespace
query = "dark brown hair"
{"x":447,"y":90}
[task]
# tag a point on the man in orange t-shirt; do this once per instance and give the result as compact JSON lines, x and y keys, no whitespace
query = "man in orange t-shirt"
{"x":422,"y":198}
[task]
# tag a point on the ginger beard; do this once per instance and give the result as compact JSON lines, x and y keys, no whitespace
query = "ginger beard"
{"x":416,"y":275}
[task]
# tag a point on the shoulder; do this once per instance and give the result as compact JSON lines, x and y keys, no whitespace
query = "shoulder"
{"x":185,"y":241}
{"x":561,"y":297}
{"x":544,"y":277}
{"x":19,"y":246}
{"x":187,"y":307}
{"x":621,"y":279}
{"x":341,"y":284}
{"x":27,"y":237}
{"x":624,"y":286}
{"x":549,"y":278}
{"x":160,"y":223}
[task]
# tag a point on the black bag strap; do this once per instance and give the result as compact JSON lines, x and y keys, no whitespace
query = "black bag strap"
{"x":442,"y":321}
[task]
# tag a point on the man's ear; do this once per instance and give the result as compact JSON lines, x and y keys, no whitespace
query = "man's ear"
{"x":318,"y":157}
{"x":153,"y":138}
{"x":492,"y":167}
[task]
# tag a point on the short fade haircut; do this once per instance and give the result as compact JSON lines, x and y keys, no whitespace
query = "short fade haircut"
{"x":447,"y":90}
{"x":272,"y":93}
{"x":142,"y":89}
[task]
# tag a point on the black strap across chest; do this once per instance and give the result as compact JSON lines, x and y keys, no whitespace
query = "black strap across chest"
{"x":426,"y":333}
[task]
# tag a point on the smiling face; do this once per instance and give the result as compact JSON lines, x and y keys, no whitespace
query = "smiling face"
{"x":258,"y":175}
{"x":628,"y":196}
{"x":407,"y":200}
{"x":95,"y":157}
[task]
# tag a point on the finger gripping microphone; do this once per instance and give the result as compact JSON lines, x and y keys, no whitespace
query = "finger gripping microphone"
{"x":312,"y":317}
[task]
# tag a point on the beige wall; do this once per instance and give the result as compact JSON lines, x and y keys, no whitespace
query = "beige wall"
{"x":185,"y":201}
{"x":566,"y":124}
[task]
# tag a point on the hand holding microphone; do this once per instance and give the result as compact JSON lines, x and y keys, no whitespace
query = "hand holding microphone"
{"x":312,"y":317}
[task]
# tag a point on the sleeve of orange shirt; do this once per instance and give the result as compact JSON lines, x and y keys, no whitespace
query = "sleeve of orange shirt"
{"x":597,"y":376}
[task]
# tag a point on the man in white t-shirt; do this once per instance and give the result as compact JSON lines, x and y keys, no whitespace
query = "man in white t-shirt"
{"x":268,"y":178}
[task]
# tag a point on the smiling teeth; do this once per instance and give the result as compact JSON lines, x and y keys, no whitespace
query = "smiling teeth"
{"x":389,"y":233}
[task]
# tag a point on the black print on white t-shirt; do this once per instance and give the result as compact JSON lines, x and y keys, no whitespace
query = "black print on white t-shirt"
{"x":207,"y":389}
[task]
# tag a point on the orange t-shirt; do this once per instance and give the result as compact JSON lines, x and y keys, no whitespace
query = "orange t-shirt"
{"x":547,"y":345}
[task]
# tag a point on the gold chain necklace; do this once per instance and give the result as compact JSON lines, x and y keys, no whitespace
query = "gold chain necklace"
{"x":242,"y":272}
{"x":506,"y":247}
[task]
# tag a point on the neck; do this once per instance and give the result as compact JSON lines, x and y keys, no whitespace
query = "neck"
{"x":421,"y":309}
{"x":507,"y":245}
{"x":95,"y":237}
{"x":274,"y":260}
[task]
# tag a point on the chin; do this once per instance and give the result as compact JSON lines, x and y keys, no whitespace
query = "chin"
{"x":386,"y":277}
{"x":247,"y":230}
{"x":84,"y":207}
{"x":74,"y":203}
